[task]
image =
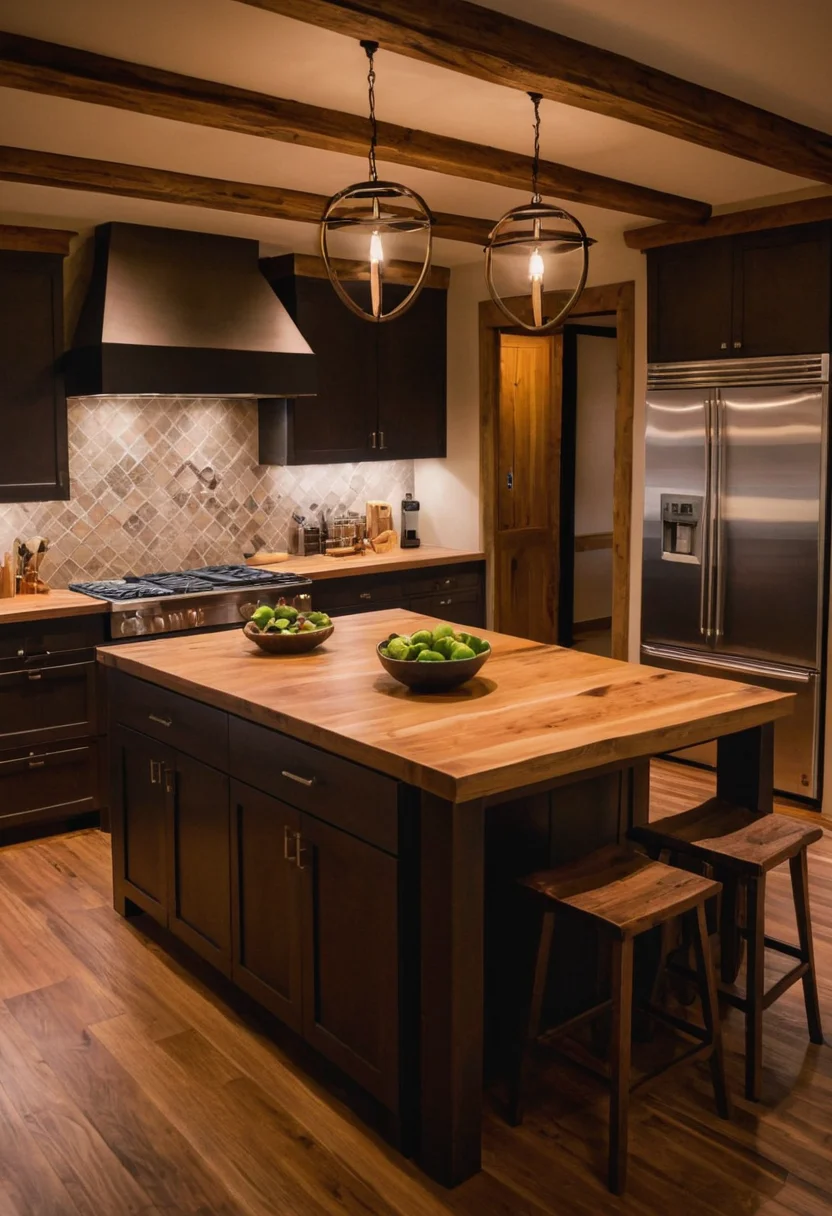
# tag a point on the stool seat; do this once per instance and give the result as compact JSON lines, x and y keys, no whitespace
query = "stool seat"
{"x":626,"y":891}
{"x":729,"y":836}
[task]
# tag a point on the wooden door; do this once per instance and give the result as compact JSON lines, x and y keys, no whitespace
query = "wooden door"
{"x":689,"y":302}
{"x":528,"y":492}
{"x":782,"y":291}
{"x":140,"y":821}
{"x":265,"y":902}
{"x":199,"y":855}
{"x":350,"y":956}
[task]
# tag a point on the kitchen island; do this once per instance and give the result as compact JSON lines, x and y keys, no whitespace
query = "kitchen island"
{"x":320,"y":834}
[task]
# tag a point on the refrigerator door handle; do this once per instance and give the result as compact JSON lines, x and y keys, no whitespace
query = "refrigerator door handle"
{"x":774,"y":671}
{"x":718,"y":576}
{"x":706,"y":579}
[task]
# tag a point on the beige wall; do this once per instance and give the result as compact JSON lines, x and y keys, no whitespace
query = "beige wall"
{"x":594,"y":465}
{"x":449,"y":489}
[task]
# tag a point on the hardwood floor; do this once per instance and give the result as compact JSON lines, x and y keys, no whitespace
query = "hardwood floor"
{"x":127,"y":1086}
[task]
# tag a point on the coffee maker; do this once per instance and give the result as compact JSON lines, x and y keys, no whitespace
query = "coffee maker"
{"x":409,"y":538}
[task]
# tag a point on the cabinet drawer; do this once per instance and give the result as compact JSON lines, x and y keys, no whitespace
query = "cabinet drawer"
{"x":348,"y":795}
{"x":44,"y":702}
{"x":369,"y":592}
{"x":437,"y":583}
{"x":189,"y":726}
{"x":50,"y":638}
{"x":458,"y":607}
{"x":45,"y":783}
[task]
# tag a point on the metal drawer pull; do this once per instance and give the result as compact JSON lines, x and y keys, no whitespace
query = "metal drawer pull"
{"x":288,"y":837}
{"x":365,"y":595}
{"x":35,"y":675}
{"x":169,"y":780}
{"x":300,"y":780}
{"x":37,"y":764}
{"x":300,"y":851}
{"x":161,"y":721}
{"x":155,"y":772}
{"x":444,"y":603}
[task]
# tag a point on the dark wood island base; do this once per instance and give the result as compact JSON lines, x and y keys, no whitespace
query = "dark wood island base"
{"x":339,"y":848}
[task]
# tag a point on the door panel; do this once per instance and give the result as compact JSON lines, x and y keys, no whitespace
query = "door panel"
{"x":199,"y":854}
{"x":676,"y":463}
{"x":689,"y":301}
{"x":527,"y":538}
{"x":140,"y":820}
{"x":768,"y":591}
{"x":265,"y":902}
{"x":351,"y":963}
{"x":781,"y":292}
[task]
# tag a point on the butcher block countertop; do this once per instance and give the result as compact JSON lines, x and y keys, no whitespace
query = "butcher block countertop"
{"x":320,"y":566}
{"x":535,"y":713}
{"x":42,"y":607}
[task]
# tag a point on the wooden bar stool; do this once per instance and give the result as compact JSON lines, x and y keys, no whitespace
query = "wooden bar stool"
{"x":622,"y":894}
{"x":740,"y":847}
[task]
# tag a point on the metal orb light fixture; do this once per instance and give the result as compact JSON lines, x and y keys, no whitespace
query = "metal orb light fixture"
{"x":534,"y":248}
{"x":372,"y":217}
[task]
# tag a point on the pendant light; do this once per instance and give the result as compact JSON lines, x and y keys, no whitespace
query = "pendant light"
{"x":374,"y":216}
{"x":535,"y":248}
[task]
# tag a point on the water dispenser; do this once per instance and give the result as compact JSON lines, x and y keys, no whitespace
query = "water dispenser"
{"x":682,"y":528}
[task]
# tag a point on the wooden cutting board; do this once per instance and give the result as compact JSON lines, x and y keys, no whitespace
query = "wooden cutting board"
{"x":266,"y":559}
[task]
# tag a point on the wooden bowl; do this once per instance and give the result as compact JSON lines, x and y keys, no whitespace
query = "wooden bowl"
{"x":431,"y":677}
{"x":275,"y":642}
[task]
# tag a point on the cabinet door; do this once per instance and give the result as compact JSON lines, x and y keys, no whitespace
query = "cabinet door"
{"x":199,"y":855}
{"x":34,"y":456}
{"x":782,"y":288}
{"x":350,"y":959}
{"x":412,"y":377}
{"x":265,"y":902}
{"x":689,"y":302}
{"x":140,"y":820}
{"x":338,"y":423}
{"x":40,"y":703}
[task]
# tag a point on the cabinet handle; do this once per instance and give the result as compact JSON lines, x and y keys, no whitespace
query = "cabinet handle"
{"x":161,"y":721}
{"x":723,"y":346}
{"x":169,"y":780}
{"x":381,"y":442}
{"x":300,"y":851}
{"x":35,"y":675}
{"x":288,"y":837}
{"x":300,"y":780}
{"x":373,"y":439}
{"x":445,"y":603}
{"x":37,"y":764}
{"x":155,"y":772}
{"x":738,"y":346}
{"x":365,"y":595}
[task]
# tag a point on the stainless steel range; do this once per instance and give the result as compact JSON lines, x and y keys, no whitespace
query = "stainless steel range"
{"x":212,"y":597}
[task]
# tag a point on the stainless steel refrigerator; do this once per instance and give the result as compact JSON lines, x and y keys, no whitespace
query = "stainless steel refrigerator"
{"x":735,"y":568}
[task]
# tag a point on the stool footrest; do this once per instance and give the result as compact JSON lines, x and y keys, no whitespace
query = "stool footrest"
{"x":553,"y":1033}
{"x":680,"y":1024}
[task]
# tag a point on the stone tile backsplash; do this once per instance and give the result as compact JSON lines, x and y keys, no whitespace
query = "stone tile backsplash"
{"x":166,"y":483}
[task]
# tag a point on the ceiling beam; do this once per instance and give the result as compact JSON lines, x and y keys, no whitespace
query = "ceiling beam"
{"x":492,"y":46}
{"x":755,"y":219}
{"x":35,"y":240}
{"x":60,"y":71}
{"x":164,"y":186}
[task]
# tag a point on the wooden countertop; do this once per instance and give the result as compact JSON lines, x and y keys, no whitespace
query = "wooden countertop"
{"x":535,"y":712}
{"x":42,"y":607}
{"x":320,"y":566}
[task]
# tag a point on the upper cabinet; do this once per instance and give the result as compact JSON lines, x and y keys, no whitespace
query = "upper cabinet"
{"x":34,"y":458}
{"x":758,"y":294}
{"x":381,"y":388}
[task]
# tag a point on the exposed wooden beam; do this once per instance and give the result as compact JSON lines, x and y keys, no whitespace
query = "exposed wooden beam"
{"x":756,"y":219}
{"x":60,"y":71}
{"x":164,"y":186}
{"x":35,"y":240}
{"x":492,"y":46}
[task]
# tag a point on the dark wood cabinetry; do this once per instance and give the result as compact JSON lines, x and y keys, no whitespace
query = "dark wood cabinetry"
{"x":453,"y":593}
{"x":758,"y":294}
{"x":34,"y":459}
{"x":381,"y":388}
{"x":282,"y":872}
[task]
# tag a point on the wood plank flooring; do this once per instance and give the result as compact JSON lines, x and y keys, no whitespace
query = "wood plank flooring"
{"x":127,"y":1086}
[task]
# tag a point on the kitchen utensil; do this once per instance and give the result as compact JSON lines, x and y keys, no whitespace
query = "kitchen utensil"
{"x":262,"y":558}
{"x":431,"y":677}
{"x":410,"y":523}
{"x":379,"y":518}
{"x":347,"y":551}
{"x":32,"y":552}
{"x":276,"y":642}
{"x":385,"y":542}
{"x":8,"y":578}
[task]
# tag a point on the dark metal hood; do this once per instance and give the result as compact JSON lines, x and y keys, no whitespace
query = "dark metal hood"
{"x":177,"y":313}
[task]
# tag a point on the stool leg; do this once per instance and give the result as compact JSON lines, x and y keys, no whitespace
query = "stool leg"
{"x":755,"y":987}
{"x":710,"y":1008}
{"x":800,"y":887}
{"x":622,"y":1012}
{"x":517,"y":1086}
{"x":729,"y":936}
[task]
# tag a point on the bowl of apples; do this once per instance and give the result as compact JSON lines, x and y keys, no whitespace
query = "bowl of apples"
{"x":432,"y":660}
{"x":284,"y":630}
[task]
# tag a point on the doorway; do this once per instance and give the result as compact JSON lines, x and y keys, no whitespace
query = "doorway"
{"x":521,"y":441}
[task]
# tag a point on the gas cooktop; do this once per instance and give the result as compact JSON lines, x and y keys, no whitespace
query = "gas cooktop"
{"x":187,"y":582}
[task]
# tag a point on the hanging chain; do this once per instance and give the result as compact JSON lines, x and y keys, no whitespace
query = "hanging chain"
{"x":371,"y":48}
{"x":536,"y":99}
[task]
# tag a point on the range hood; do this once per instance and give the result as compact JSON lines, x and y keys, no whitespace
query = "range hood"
{"x":176,"y":313}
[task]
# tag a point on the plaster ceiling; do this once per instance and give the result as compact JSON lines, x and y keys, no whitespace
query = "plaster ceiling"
{"x":772,"y":54}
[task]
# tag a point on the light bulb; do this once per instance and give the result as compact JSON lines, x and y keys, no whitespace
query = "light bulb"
{"x":376,"y":248}
{"x":536,"y":267}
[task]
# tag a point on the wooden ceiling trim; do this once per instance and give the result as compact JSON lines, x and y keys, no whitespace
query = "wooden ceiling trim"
{"x":60,"y":71}
{"x":165,"y":186}
{"x":492,"y":46}
{"x":733,"y":223}
{"x":35,"y":240}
